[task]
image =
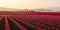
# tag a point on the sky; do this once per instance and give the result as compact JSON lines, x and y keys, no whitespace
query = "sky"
{"x":29,"y":4}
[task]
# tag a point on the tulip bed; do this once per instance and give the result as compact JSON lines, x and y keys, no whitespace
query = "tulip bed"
{"x":29,"y":21}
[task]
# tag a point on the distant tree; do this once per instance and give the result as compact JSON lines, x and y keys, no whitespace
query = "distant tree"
{"x":32,"y":10}
{"x":28,"y":10}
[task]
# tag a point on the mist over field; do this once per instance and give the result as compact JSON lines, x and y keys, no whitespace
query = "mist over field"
{"x":35,"y":10}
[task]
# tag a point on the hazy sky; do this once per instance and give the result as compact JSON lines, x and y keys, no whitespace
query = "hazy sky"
{"x":30,"y":4}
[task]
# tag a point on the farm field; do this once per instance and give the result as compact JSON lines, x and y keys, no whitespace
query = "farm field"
{"x":29,"y":21}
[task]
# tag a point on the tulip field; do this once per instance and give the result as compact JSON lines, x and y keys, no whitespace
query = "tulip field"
{"x":29,"y":21}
